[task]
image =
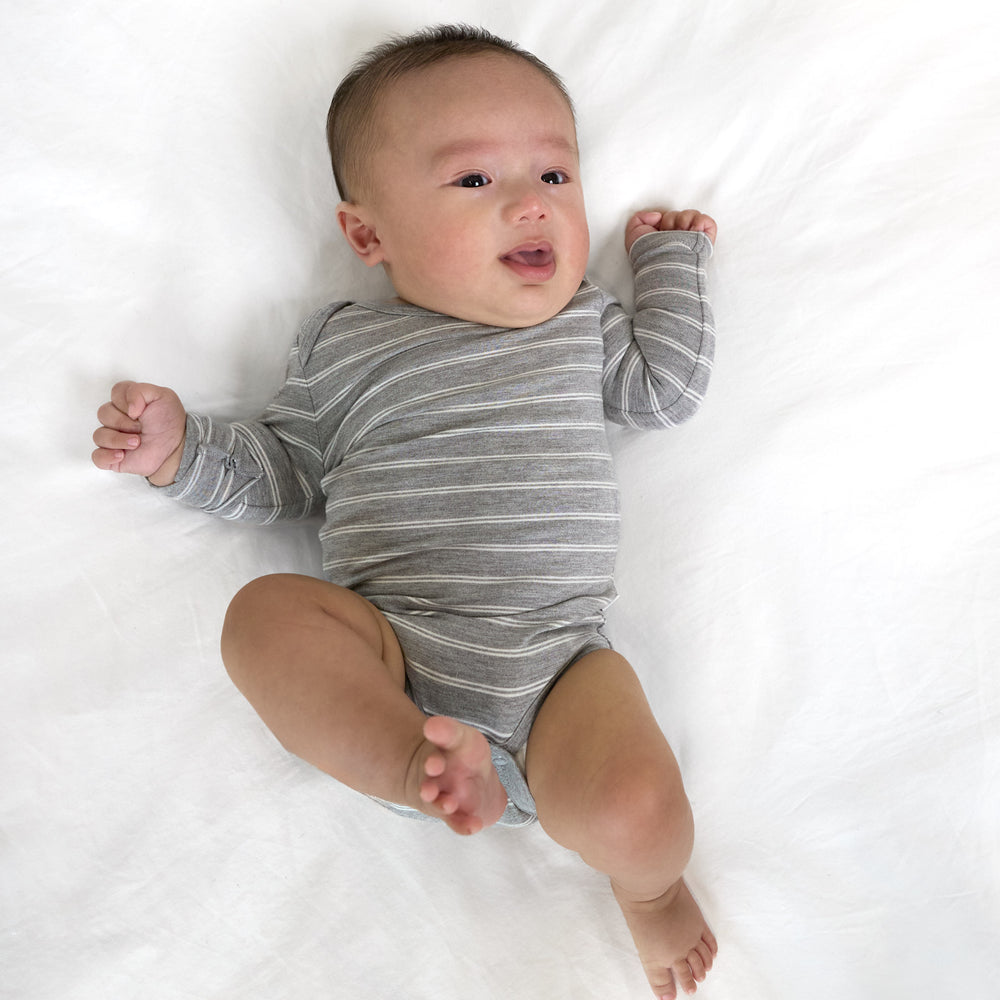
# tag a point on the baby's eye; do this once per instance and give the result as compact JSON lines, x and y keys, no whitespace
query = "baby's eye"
{"x":554,"y":177}
{"x":473,"y":181}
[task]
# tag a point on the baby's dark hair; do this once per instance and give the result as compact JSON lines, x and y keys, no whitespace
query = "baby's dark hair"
{"x":352,"y":119}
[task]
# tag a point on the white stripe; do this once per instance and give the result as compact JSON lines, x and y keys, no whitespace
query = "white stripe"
{"x":657,"y":295}
{"x":667,"y":266}
{"x":459,"y":432}
{"x":439,"y":491}
{"x":491,"y":581}
{"x":490,"y":459}
{"x":496,"y":692}
{"x":695,"y":324}
{"x":511,"y":617}
{"x":349,"y":529}
{"x":375,"y":558}
{"x":511,"y":429}
{"x":501,"y":653}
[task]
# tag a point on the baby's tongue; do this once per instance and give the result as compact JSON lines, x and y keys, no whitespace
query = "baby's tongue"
{"x":533,"y":258}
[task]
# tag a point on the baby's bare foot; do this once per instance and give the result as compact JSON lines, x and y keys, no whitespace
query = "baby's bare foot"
{"x":675,"y":945}
{"x":457,"y":780}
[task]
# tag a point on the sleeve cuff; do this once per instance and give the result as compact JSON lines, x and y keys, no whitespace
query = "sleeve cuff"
{"x":672,"y":239}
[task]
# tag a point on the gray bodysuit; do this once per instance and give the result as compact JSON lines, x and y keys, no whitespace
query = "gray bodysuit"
{"x":465,"y":474}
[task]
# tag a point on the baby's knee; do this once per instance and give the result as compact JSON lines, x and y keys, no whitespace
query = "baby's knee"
{"x":266,"y":607}
{"x":641,"y":810}
{"x":247,"y":611}
{"x":282,"y":594}
{"x":256,"y":599}
{"x":255,"y":593}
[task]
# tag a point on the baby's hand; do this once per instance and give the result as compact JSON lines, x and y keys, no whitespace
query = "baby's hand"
{"x":689,"y":220}
{"x":142,"y":432}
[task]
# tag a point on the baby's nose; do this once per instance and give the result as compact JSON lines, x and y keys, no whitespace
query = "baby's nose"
{"x":529,"y":206}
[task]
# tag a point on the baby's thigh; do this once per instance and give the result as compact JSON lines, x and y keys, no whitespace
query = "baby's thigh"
{"x":293,"y":611}
{"x":596,"y":742}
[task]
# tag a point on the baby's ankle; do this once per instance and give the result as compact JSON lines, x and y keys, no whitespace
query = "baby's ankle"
{"x":416,"y":774}
{"x":650,"y":898}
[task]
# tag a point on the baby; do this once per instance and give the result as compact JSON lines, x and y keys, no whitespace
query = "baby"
{"x":453,"y":664}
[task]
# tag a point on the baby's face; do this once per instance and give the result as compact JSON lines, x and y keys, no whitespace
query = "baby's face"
{"x":475,"y":193}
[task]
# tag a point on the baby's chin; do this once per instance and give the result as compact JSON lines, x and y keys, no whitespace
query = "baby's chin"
{"x":509,"y":322}
{"x":518,"y":313}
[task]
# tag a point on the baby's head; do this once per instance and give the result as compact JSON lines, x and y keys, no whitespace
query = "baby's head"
{"x":455,"y":153}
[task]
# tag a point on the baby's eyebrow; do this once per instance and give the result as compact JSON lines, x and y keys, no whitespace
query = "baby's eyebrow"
{"x":471,"y":148}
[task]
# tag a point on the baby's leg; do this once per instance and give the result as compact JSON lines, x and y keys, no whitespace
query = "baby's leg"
{"x":323,"y":669}
{"x":607,"y":786}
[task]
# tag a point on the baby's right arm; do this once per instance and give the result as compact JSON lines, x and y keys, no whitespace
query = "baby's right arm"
{"x":142,"y":432}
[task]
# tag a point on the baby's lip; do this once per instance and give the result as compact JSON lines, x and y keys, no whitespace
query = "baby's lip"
{"x":537,"y":253}
{"x":534,"y":261}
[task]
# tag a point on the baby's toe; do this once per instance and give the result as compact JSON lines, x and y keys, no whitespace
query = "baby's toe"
{"x":684,"y":977}
{"x":708,"y":938}
{"x":705,"y":953}
{"x":430,"y":791}
{"x":442,"y":732}
{"x":697,"y":966}
{"x":435,"y":765}
{"x":666,"y":992}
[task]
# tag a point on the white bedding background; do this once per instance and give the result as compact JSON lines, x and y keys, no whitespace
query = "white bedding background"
{"x":810,"y":569}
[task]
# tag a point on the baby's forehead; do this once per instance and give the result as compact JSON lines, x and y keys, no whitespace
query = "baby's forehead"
{"x":466,"y":74}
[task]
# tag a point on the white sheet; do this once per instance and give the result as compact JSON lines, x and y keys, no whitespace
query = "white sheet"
{"x":809,"y":571}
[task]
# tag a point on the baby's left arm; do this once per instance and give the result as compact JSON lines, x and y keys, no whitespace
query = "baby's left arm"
{"x":651,"y":221}
{"x":657,"y":361}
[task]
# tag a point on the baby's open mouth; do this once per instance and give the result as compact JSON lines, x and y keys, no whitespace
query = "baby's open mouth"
{"x":532,"y":261}
{"x":532,"y":258}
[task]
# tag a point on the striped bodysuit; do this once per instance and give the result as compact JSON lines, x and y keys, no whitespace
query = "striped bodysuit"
{"x":465,"y":474}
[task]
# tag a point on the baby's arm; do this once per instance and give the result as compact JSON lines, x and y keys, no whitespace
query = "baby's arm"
{"x":258,"y":470}
{"x":657,"y":362}
{"x":142,"y":432}
{"x":690,"y":220}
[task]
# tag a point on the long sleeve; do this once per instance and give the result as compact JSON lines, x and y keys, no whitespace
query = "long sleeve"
{"x":262,"y":470}
{"x":657,"y":363}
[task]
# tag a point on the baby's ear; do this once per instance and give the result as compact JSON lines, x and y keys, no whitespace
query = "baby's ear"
{"x":360,"y":233}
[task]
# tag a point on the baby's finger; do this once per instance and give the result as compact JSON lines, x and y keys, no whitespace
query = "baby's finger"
{"x":108,"y":459}
{"x":119,"y":395}
{"x":106,"y":437}
{"x":130,"y":398}
{"x":639,"y":225}
{"x":111,"y":415}
{"x":648,"y":218}
{"x":688,"y":219}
